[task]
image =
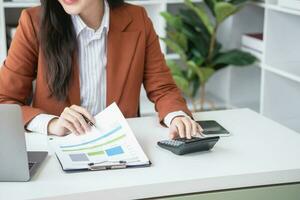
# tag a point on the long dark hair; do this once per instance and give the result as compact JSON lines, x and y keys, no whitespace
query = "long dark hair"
{"x":58,"y":43}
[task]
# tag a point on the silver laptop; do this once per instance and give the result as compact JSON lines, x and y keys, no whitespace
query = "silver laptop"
{"x":16,"y":164}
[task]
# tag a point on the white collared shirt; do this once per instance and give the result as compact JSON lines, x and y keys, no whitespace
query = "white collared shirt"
{"x":92,"y":62}
{"x":92,"y":52}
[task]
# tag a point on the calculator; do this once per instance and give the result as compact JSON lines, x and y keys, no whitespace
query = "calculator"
{"x":181,"y":146}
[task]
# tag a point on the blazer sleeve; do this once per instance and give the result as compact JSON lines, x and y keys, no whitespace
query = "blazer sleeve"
{"x":19,"y":69}
{"x":158,"y":82}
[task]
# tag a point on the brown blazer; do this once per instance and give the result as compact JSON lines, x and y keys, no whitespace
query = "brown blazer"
{"x":134,"y":58}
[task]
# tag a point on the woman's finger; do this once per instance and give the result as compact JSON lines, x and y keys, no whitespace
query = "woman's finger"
{"x":69,"y":126}
{"x":200,"y":129}
{"x":180,"y":128}
{"x":188,"y":127}
{"x":173,"y":132}
{"x":67,"y":116}
{"x":194,"y":128}
{"x":84,"y":112}
{"x":81,"y":120}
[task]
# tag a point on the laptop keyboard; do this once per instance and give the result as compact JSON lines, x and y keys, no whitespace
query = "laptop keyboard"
{"x":30,"y":165}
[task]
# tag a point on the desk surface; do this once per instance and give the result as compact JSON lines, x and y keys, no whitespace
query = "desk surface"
{"x":259,"y":152}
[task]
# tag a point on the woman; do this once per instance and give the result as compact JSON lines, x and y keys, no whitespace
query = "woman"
{"x":84,"y":55}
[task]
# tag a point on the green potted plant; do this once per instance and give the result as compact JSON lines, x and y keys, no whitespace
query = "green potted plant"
{"x":192,"y":34}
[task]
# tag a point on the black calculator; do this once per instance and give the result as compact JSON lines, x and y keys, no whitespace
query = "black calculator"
{"x":181,"y":146}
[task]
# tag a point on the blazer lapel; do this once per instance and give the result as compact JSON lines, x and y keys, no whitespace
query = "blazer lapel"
{"x":121,"y":46}
{"x":121,"y":49}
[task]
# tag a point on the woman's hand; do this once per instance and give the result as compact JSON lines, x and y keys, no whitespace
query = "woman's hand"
{"x":184,"y":127}
{"x":70,"y":120}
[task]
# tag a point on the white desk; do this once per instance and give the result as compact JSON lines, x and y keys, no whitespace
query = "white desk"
{"x":260,"y":152}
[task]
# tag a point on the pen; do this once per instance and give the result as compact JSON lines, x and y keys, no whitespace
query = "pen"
{"x":89,"y":122}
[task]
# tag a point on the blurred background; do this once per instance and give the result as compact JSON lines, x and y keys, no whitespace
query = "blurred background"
{"x":253,"y":63}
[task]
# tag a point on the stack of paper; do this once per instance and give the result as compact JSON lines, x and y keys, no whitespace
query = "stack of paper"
{"x":112,"y":141}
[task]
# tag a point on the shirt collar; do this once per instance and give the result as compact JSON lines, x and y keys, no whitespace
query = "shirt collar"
{"x":79,"y":24}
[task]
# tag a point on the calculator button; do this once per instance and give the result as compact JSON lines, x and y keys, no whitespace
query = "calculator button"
{"x":177,"y":143}
{"x":172,"y":142}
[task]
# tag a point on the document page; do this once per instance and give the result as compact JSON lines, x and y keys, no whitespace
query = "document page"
{"x":112,"y":140}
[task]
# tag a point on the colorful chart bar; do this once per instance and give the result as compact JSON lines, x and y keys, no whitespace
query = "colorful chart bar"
{"x":96,"y":153}
{"x":95,"y":140}
{"x":96,"y":146}
{"x":114,"y":151}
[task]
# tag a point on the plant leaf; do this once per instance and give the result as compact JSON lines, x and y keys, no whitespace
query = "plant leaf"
{"x":195,"y":40}
{"x":211,"y":5}
{"x":201,"y":12}
{"x":238,"y":2}
{"x":175,"y":47}
{"x":183,"y":84}
{"x":172,"y":20}
{"x":191,"y":74}
{"x":204,"y":73}
{"x":197,"y":57}
{"x":224,"y":10}
{"x":179,"y":38}
{"x":195,"y":86}
{"x":174,"y":68}
{"x":208,"y":72}
{"x":234,"y":57}
{"x":191,"y":19}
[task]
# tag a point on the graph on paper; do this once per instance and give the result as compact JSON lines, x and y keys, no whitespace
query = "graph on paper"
{"x":111,"y":145}
{"x":112,"y":140}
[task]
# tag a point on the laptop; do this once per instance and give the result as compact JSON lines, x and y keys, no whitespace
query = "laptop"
{"x":16,"y":164}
